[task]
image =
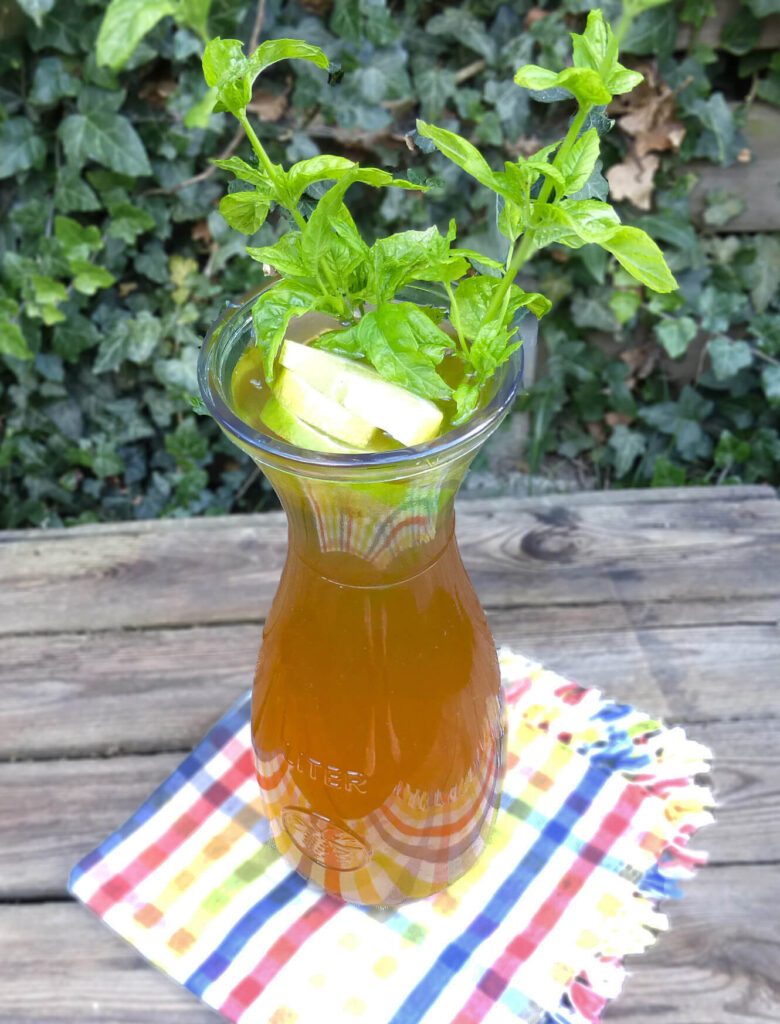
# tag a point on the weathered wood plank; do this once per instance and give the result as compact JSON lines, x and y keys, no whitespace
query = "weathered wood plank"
{"x":54,"y":812}
{"x":156,"y":690}
{"x":718,"y":965}
{"x":523,"y":552}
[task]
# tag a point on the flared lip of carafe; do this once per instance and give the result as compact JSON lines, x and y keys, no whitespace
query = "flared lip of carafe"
{"x":465,"y":436}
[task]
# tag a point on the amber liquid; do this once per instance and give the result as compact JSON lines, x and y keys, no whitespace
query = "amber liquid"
{"x":376,"y":712}
{"x":377,"y":727}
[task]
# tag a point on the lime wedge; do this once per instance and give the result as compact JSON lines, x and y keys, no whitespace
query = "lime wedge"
{"x":319,"y":410}
{"x":296,"y":432}
{"x":361,"y":391}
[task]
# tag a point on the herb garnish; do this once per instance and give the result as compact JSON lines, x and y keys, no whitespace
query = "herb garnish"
{"x":324,"y":264}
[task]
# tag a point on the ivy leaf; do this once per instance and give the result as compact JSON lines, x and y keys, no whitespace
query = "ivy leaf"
{"x":676,"y":334}
{"x":20,"y":147}
{"x":245,"y":211}
{"x":720,"y":140}
{"x":728,"y":357}
{"x":108,"y":139}
{"x":128,"y":222}
{"x":627,"y":445}
{"x":76,"y":240}
{"x":124,"y":25}
{"x":770,"y":381}
{"x":12,"y":342}
{"x":88,"y":277}
{"x":72,"y":194}
{"x":36,"y":9}
{"x":392,"y":345}
{"x":580,"y":161}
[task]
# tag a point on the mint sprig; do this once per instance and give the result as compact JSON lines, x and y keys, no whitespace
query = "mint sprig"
{"x":325,"y":265}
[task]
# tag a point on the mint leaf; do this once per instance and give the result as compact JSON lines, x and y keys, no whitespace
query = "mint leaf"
{"x":245,"y":211}
{"x":107,"y":138}
{"x":475,"y":294}
{"x":124,"y":25}
{"x":635,"y":250}
{"x":578,"y":165}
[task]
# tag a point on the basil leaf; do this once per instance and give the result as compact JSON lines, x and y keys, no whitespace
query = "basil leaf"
{"x":345,"y":343}
{"x":490,"y":349}
{"x":316,"y":168}
{"x":245,"y":211}
{"x":232,"y":74}
{"x":531,"y":76}
{"x":466,"y":399}
{"x":243,"y":171}
{"x":635,"y":250}
{"x":412,"y":256}
{"x":330,"y":254}
{"x":589,"y":218}
{"x":272,"y":313}
{"x":585,"y":84}
{"x":391,"y":343}
{"x":285,"y":256}
{"x":580,"y":161}
{"x":461,"y":152}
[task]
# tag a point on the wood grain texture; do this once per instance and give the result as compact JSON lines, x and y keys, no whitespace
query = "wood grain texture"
{"x":54,"y":812}
{"x":160,"y":689}
{"x":519,"y":553}
{"x":718,"y":964}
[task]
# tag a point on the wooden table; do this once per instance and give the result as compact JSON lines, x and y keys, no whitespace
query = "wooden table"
{"x":122,"y":643}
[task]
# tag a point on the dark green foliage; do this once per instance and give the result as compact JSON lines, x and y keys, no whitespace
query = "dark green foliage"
{"x":107,"y":285}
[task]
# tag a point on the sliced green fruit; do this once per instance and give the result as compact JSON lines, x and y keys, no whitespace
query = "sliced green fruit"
{"x":319,"y":410}
{"x":360,"y":390}
{"x":295,"y":431}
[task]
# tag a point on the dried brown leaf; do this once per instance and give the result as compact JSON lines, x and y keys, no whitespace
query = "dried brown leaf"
{"x":634,"y":180}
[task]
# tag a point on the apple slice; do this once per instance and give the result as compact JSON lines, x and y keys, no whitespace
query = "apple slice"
{"x":360,"y":390}
{"x":320,"y":410}
{"x":295,"y":431}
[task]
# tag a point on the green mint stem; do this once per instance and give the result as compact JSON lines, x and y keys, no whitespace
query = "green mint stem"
{"x":455,"y":316}
{"x":526,"y":247}
{"x":268,"y":167}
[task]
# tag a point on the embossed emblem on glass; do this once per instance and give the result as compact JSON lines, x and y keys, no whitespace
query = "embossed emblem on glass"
{"x":327,"y":843}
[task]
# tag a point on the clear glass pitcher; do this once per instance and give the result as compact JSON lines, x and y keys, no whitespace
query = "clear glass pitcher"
{"x":376,"y":707}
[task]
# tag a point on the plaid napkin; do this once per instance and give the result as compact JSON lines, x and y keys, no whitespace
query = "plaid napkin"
{"x":597,"y":807}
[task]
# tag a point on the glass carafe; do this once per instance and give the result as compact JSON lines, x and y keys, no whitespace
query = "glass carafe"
{"x":376,"y":706}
